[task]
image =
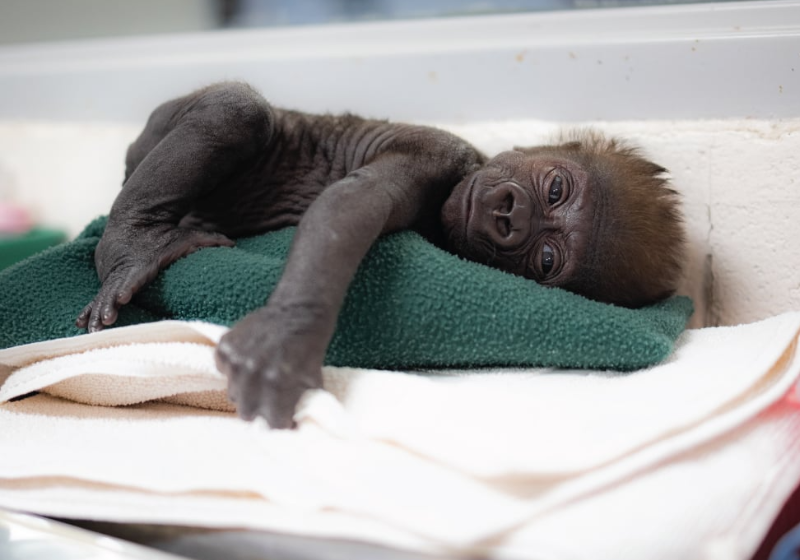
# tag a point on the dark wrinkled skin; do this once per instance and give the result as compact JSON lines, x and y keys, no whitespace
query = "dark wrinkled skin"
{"x":502,"y":215}
{"x":221,"y":163}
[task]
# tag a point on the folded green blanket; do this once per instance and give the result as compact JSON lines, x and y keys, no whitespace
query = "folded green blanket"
{"x":411,"y":305}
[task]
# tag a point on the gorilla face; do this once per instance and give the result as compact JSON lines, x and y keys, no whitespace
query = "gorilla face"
{"x":528,"y":214}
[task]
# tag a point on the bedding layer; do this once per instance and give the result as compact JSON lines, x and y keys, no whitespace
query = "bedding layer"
{"x":499,"y":463}
{"x":411,"y":305}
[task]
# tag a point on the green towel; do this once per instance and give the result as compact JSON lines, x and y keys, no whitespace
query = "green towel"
{"x":411,"y":306}
{"x":15,"y":248}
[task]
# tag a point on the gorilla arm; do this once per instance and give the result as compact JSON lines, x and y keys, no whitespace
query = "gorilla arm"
{"x":274,"y":354}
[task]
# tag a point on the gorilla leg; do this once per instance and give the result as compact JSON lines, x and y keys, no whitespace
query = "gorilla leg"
{"x":189,"y":148}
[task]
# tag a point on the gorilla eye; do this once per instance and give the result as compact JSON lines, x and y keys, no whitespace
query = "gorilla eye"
{"x":556,"y":190}
{"x":548,"y":259}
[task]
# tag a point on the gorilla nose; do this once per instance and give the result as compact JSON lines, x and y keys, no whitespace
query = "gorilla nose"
{"x":509,"y":214}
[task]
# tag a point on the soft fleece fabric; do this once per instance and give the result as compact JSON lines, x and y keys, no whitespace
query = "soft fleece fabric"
{"x":411,"y":306}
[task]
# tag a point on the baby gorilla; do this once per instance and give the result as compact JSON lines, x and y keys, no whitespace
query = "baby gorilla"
{"x":589,"y":215}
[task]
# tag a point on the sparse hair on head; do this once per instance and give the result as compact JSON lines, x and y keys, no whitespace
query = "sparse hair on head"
{"x":636,"y":250}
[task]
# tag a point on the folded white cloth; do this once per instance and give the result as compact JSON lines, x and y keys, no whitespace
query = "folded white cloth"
{"x":524,"y":464}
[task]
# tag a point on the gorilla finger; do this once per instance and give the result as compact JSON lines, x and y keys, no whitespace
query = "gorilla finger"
{"x":103,"y":312}
{"x":130,"y":285}
{"x":247,"y":391}
{"x":95,"y":323}
{"x":277,"y":419}
{"x":233,"y":394}
{"x":236,"y":390}
{"x":83,"y":319}
{"x":225,"y":358}
{"x":214,"y":239}
{"x":245,"y":411}
{"x":124,"y":296}
{"x":278,"y":407}
{"x":247,"y":406}
{"x":108,"y":313}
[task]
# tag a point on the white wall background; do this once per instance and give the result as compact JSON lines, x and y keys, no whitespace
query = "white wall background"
{"x":25,"y":21}
{"x":711,"y":92}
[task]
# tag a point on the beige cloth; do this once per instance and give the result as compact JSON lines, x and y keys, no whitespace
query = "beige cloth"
{"x":524,"y":464}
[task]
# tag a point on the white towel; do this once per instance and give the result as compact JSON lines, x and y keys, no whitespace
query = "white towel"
{"x":525,"y":464}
